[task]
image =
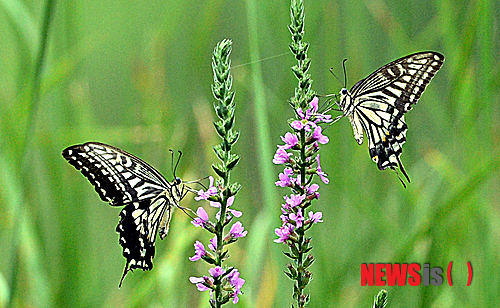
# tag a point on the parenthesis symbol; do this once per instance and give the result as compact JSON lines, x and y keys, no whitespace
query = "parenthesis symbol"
{"x":470,"y":273}
{"x":449,"y":274}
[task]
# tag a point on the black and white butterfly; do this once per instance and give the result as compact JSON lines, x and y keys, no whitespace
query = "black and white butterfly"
{"x":377,"y":104}
{"x":123,"y":179}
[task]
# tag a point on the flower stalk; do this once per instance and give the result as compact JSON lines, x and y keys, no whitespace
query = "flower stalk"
{"x":301,"y":161}
{"x":224,"y":283}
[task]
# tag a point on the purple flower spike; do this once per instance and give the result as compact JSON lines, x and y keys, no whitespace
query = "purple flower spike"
{"x":199,"y":251}
{"x":237,"y":230}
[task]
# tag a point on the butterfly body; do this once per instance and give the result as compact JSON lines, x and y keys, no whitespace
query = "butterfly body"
{"x":377,"y":104}
{"x":122,"y":179}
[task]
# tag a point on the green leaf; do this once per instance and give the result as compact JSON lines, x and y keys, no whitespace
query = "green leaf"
{"x":229,"y":122}
{"x":308,"y":261}
{"x":232,"y":137}
{"x":219,"y":128}
{"x":219,"y":152}
{"x":219,"y":169}
{"x":234,"y":188}
{"x":232,"y":161}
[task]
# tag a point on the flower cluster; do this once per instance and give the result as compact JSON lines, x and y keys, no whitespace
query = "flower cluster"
{"x":299,"y":155}
{"x":293,"y":210}
{"x":229,"y":279}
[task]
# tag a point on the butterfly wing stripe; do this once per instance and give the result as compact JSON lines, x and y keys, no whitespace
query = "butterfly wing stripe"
{"x":404,"y":79}
{"x":119,"y":177}
{"x":137,"y":228}
{"x":130,"y":162}
{"x":385,"y":136}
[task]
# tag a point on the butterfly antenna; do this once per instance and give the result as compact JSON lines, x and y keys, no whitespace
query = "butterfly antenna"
{"x":345,"y":73}
{"x":178,"y":160}
{"x":331,"y":71}
{"x":198,"y":181}
{"x":172,"y":162}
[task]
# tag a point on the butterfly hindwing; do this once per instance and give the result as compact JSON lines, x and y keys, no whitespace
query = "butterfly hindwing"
{"x":378,"y":103}
{"x":123,"y":179}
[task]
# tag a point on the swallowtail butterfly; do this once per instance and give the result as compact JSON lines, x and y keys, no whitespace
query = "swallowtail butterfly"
{"x":377,"y":105}
{"x":123,"y":179}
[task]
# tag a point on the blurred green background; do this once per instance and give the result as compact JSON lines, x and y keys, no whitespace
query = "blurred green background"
{"x":137,"y":75}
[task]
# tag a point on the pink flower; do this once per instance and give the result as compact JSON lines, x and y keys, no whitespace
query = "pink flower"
{"x":298,"y":218}
{"x":201,"y":219}
{"x":230,"y":202}
{"x":211,"y":191}
{"x":213,"y":244}
{"x":312,"y":191}
{"x":237,"y":230}
{"x":283,"y":233}
{"x":294,"y":200}
{"x":236,"y":282}
{"x":216,"y":271}
{"x":199,"y":251}
{"x":201,"y":281}
{"x":314,"y":105}
{"x":317,"y":135}
{"x":315,"y":217}
{"x":302,"y":124}
{"x":285,"y":178}
{"x":281,"y":156}
{"x":323,"y":176}
{"x":290,"y":140}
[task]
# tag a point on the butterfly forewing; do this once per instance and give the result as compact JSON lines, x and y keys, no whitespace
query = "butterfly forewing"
{"x":123,"y":179}
{"x":378,"y":103}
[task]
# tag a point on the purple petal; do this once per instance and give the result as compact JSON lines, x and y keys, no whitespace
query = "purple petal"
{"x":237,"y":230}
{"x":290,"y":140}
{"x":314,"y":104}
{"x":318,"y":135}
{"x":281,"y":156}
{"x":315,"y":217}
{"x":213,"y":244}
{"x":199,"y":250}
{"x":216,"y":271}
{"x":298,"y":125}
{"x":235,"y":213}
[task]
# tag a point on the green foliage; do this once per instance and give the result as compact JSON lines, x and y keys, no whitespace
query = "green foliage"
{"x":138,"y":75}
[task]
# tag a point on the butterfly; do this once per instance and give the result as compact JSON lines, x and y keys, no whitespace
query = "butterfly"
{"x":377,"y":104}
{"x":122,"y":179}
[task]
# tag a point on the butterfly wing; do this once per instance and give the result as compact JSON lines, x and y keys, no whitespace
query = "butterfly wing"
{"x":123,"y":179}
{"x":381,"y":100}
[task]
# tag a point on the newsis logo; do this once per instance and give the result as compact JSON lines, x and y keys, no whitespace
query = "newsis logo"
{"x":412,"y":274}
